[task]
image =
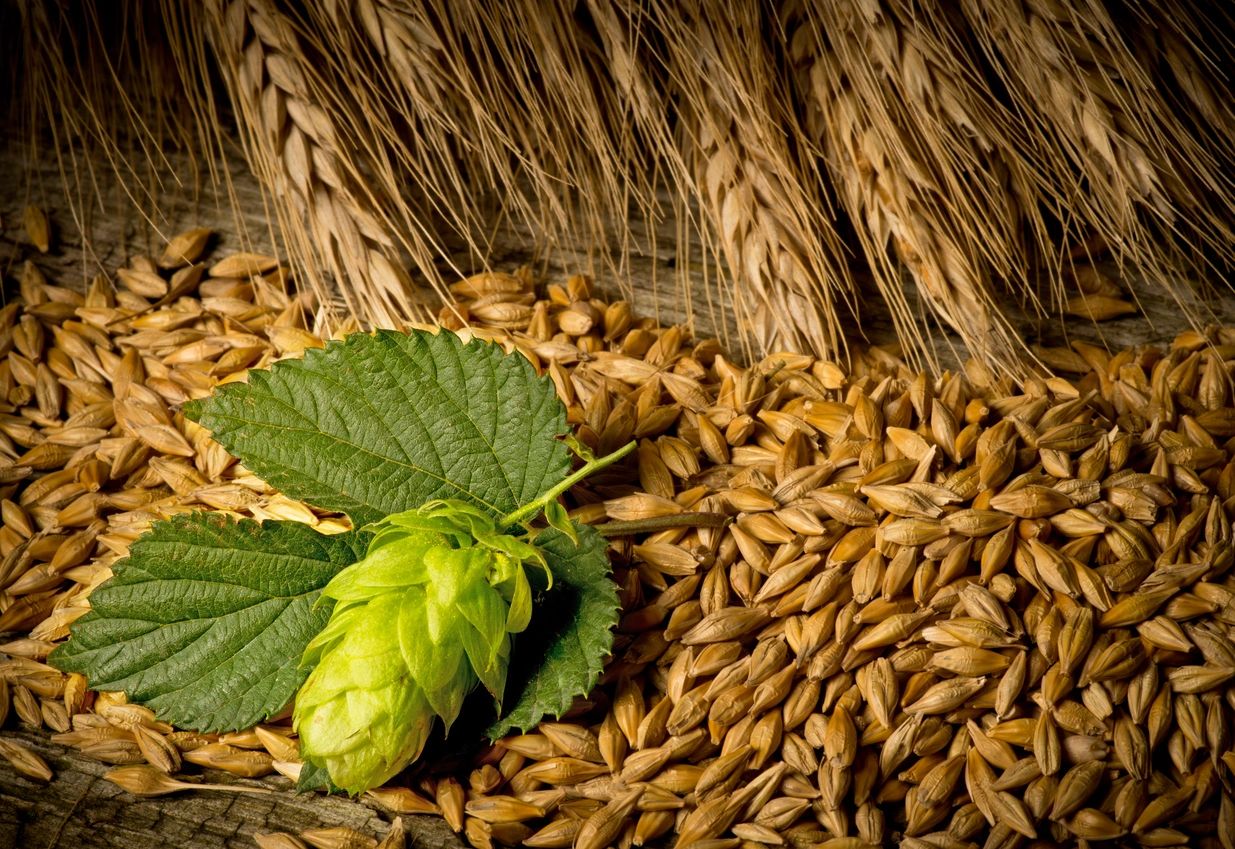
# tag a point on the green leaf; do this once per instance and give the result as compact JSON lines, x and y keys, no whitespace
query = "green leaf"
{"x":381,"y":423}
{"x":559,"y":519}
{"x":206,"y":620}
{"x":314,"y":777}
{"x":578,"y":448}
{"x":561,"y":654}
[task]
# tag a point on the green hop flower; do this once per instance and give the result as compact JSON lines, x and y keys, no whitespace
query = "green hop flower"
{"x":425,"y":615}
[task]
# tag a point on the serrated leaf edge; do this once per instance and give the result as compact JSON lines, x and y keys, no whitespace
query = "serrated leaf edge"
{"x":314,"y":358}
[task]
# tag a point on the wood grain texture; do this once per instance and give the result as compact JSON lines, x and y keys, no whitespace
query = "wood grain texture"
{"x":78,"y":809}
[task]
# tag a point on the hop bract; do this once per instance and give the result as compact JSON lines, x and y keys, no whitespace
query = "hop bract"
{"x":425,"y":615}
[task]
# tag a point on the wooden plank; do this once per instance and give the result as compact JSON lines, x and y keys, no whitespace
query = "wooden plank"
{"x":652,"y":279}
{"x":78,"y":809}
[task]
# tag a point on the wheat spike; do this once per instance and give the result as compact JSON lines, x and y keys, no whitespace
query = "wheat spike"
{"x":772,"y":224}
{"x":395,"y":61}
{"x":919,"y":153}
{"x":1125,"y":164}
{"x":528,"y":125}
{"x":296,"y":148}
{"x":643,"y":124}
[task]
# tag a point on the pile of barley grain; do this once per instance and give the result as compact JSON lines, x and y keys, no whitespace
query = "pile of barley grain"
{"x":944,"y":614}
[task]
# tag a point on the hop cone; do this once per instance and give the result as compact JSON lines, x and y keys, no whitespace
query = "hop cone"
{"x":425,"y":615}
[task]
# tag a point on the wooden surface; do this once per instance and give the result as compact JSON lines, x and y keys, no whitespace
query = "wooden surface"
{"x":80,"y":810}
{"x":124,"y":223}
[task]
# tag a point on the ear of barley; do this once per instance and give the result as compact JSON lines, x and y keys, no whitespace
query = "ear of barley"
{"x":753,"y":172}
{"x":328,"y":211}
{"x":890,"y":101}
{"x":1092,"y":103}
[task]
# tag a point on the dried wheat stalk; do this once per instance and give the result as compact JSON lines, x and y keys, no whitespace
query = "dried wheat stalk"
{"x":294,"y":143}
{"x":393,"y":60}
{"x":1125,"y":163}
{"x":565,"y":111}
{"x":919,"y":152}
{"x":752,"y":175}
{"x":636,"y":59}
{"x":528,"y":124}
{"x":1182,"y":52}
{"x":626,"y":34}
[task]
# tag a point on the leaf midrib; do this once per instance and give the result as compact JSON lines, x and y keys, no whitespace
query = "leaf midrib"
{"x":394,"y":351}
{"x":454,"y":402}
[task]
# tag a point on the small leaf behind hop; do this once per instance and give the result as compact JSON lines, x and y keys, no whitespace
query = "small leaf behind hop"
{"x":207,"y":618}
{"x":314,"y":777}
{"x":561,"y":654}
{"x":559,"y":519}
{"x":381,"y":423}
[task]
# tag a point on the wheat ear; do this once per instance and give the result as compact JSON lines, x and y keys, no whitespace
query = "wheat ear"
{"x":920,"y":157}
{"x":1126,"y":167}
{"x":768,"y":217}
{"x":642,"y":124}
{"x":323,"y":203}
{"x":395,"y":66}
{"x":493,"y":108}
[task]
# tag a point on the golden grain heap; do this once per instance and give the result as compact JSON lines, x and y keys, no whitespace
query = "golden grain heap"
{"x":940,"y":612}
